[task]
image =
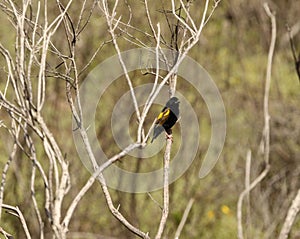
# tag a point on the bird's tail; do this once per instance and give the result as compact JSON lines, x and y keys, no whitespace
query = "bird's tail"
{"x":158,"y":129}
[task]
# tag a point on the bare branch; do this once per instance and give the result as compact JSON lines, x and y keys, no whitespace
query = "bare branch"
{"x":16,"y":212}
{"x":117,"y":214}
{"x":192,"y":31}
{"x":92,"y":179}
{"x":112,"y":26}
{"x":290,"y":217}
{"x":184,"y":217}
{"x":4,"y":173}
{"x":247,"y":185}
{"x":255,"y":182}
{"x":5,"y":234}
{"x":33,"y":43}
{"x":216,"y":3}
{"x":267,"y":85}
{"x":93,"y":57}
{"x":144,"y":113}
{"x":266,"y":129}
{"x":165,"y":210}
{"x":155,"y":202}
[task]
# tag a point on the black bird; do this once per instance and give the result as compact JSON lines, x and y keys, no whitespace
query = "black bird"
{"x":167,"y":118}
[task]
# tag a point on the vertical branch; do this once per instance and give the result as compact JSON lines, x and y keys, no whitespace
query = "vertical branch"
{"x":157,"y":48}
{"x":167,"y":155}
{"x":266,"y":129}
{"x":255,"y":182}
{"x":166,"y":171}
{"x":267,"y":85}
{"x":165,"y":210}
{"x":35,"y":166}
{"x":172,"y":86}
{"x":35,"y":203}
{"x":41,"y":76}
{"x":247,"y":185}
{"x":248,"y":188}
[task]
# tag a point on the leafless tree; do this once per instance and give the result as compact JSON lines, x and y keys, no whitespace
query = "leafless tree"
{"x":24,"y":97}
{"x":264,"y":147}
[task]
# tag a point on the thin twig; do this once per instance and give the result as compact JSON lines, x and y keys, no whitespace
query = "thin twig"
{"x":16,"y":212}
{"x":183,"y":22}
{"x":155,"y":202}
{"x":144,"y":113}
{"x":31,"y":146}
{"x":4,"y":173}
{"x":93,"y":56}
{"x":255,"y":182}
{"x":267,"y":85}
{"x":112,"y":26}
{"x":247,"y":185}
{"x":184,"y":218}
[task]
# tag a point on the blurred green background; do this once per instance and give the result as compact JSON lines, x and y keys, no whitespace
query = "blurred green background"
{"x":233,"y":49}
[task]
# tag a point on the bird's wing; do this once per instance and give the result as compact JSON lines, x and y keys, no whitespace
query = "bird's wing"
{"x":163,"y":116}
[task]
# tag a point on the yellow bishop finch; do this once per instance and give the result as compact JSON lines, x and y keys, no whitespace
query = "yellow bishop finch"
{"x":167,"y":118}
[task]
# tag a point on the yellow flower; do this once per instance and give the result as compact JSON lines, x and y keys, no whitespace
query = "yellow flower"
{"x":225,"y":209}
{"x":211,"y":215}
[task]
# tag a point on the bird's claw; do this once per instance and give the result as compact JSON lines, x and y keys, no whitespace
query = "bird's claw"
{"x":169,"y":136}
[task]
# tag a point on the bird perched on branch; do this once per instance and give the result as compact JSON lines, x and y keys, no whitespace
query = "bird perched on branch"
{"x":167,"y":118}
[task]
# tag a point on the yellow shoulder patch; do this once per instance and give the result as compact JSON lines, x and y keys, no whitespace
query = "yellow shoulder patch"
{"x":162,"y":117}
